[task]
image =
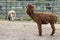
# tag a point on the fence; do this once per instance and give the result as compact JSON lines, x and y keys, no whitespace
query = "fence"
{"x":19,"y":7}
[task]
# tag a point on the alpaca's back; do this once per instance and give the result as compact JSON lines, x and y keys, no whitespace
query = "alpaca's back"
{"x":48,"y":18}
{"x":44,"y":18}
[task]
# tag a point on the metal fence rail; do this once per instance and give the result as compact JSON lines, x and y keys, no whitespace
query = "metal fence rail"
{"x":19,"y":7}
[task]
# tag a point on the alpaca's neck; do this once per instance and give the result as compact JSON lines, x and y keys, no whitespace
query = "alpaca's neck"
{"x":31,"y":15}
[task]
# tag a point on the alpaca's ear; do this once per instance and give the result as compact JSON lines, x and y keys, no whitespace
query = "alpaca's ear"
{"x":27,"y":3}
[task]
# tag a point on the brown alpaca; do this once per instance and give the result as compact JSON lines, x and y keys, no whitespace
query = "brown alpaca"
{"x":41,"y":18}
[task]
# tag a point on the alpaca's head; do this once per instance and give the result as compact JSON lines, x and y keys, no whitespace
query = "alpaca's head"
{"x":29,"y":9}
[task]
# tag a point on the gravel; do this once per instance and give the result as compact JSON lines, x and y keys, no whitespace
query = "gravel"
{"x":26,"y":30}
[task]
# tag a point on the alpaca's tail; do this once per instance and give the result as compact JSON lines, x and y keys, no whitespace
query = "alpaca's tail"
{"x":56,"y":19}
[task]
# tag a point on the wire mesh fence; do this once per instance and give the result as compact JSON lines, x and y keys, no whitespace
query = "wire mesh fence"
{"x":19,"y":7}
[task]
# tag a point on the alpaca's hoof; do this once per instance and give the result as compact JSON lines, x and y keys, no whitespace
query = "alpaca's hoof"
{"x":40,"y":35}
{"x":51,"y":35}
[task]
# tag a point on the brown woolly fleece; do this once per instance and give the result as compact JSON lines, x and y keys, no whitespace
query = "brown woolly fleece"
{"x":41,"y":18}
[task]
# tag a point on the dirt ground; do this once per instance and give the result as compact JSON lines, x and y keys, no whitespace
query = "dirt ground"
{"x":26,"y":30}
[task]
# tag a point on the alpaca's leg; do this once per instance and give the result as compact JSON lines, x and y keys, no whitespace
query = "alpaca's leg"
{"x":40,"y":29}
{"x":53,"y":29}
{"x":10,"y":18}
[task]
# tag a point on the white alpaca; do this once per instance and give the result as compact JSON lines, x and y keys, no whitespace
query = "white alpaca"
{"x":11,"y":15}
